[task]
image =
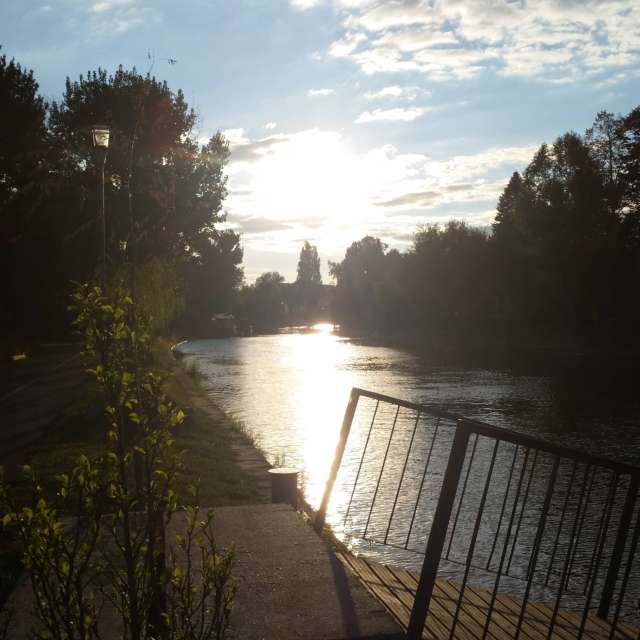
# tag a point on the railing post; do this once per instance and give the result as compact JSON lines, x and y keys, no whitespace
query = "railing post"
{"x":438,"y":532}
{"x":618,"y":549}
{"x":337,"y":459}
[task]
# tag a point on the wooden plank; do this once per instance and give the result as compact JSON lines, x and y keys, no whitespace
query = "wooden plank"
{"x":396,"y":589}
{"x":376,"y":587}
{"x":437,"y":617}
{"x":506,"y":625}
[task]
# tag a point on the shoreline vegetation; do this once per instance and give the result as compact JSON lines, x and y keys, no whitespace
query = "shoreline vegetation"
{"x":210,"y":439}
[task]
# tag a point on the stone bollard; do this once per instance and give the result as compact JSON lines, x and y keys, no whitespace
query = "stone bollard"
{"x":284,"y":485}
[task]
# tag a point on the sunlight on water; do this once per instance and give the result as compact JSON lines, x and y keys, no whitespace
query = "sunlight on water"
{"x":291,"y":391}
{"x":323,"y":327}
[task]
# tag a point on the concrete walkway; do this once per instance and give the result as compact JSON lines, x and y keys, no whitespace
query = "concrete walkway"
{"x":292,"y":586}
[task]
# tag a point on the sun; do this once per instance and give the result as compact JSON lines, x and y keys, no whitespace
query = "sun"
{"x":313,"y":172}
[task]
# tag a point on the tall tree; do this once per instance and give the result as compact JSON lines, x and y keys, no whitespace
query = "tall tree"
{"x":27,"y":246}
{"x":358,"y":282}
{"x":164,"y":190}
{"x":309,"y":266}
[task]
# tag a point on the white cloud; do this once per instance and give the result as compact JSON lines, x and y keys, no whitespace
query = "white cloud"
{"x":399,"y":114}
{"x":346,"y":45}
{"x":553,"y":40}
{"x":305,"y":4}
{"x":105,"y":5}
{"x":319,"y":93}
{"x":269,"y":126}
{"x":235,"y":136}
{"x":312,"y":184}
{"x":396,"y":91}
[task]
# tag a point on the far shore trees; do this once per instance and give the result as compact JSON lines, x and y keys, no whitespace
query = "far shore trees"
{"x":560,"y":265}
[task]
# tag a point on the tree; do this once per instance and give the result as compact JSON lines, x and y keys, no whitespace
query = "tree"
{"x":164,"y":191}
{"x":309,"y":266}
{"x":447,"y":276}
{"x":25,"y":241}
{"x":261,"y":305}
{"x":358,"y":279}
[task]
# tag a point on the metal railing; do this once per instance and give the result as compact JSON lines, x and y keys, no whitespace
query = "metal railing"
{"x":490,"y":507}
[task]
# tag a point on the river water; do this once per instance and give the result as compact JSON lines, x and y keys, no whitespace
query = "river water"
{"x":290,"y":390}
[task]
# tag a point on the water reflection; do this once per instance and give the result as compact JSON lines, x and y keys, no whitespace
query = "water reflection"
{"x":291,"y":391}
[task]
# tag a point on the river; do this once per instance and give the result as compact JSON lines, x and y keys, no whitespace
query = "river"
{"x":291,"y":390}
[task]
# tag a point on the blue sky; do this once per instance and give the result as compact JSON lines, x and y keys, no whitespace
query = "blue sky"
{"x":354,"y":117}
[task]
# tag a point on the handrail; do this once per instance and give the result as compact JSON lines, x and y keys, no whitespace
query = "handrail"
{"x":509,"y":435}
{"x":561,"y":526}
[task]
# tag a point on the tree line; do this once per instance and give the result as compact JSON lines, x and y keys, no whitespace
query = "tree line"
{"x":163,"y":190}
{"x":560,"y":265}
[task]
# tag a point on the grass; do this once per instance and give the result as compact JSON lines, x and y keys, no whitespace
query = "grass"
{"x":80,"y":429}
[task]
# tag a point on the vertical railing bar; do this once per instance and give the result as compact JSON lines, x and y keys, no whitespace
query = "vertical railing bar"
{"x":565,"y":570}
{"x":364,"y":451}
{"x":474,"y":537}
{"x":564,"y":512}
{"x":462,"y":493}
{"x":606,"y":515}
{"x":524,"y":504}
{"x":404,"y":469}
{"x":504,"y":504}
{"x":424,"y":475}
{"x":384,"y":461}
{"x":337,"y":458}
{"x":601,"y":534}
{"x":536,"y":545}
{"x":505,"y":546}
{"x":627,"y":572}
{"x":618,"y":547}
{"x":581,"y":526}
{"x":438,"y":533}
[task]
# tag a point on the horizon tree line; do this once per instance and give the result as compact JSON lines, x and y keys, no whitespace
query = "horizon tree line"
{"x":560,"y":263}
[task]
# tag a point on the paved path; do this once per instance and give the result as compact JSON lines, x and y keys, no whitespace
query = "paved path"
{"x":292,"y":585}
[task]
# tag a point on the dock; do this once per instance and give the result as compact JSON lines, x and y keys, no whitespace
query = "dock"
{"x":396,"y":589}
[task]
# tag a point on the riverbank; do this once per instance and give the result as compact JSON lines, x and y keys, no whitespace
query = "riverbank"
{"x":219,"y":456}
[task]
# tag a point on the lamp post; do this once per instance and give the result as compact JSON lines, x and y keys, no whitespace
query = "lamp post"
{"x":100,"y":139}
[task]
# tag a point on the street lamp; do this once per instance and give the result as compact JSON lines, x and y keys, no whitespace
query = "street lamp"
{"x":100,"y":139}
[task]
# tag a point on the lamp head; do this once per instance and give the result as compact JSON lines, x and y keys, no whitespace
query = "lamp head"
{"x":100,"y":136}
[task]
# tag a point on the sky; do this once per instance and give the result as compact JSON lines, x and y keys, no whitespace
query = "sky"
{"x":349,"y":118}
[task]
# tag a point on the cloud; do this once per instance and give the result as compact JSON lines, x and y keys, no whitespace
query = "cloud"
{"x":305,"y":4}
{"x":269,"y":126}
{"x":396,"y":91}
{"x":245,"y":150}
{"x":109,"y":18}
{"x":552,"y":40}
{"x":312,"y":184}
{"x":319,"y":93}
{"x":398,"y":114}
{"x":235,"y":136}
{"x":346,"y":45}
{"x":255,"y":224}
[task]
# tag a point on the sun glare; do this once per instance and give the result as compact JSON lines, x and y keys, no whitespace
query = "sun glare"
{"x":315,"y":173}
{"x":323,"y":327}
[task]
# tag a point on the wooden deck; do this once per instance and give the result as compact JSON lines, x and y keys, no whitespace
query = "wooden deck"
{"x":396,"y":589}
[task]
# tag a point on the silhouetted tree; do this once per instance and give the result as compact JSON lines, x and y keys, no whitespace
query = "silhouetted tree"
{"x":261,"y":305}
{"x":27,"y":245}
{"x":308,"y":284}
{"x":359,"y":278}
{"x":308,"y":266}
